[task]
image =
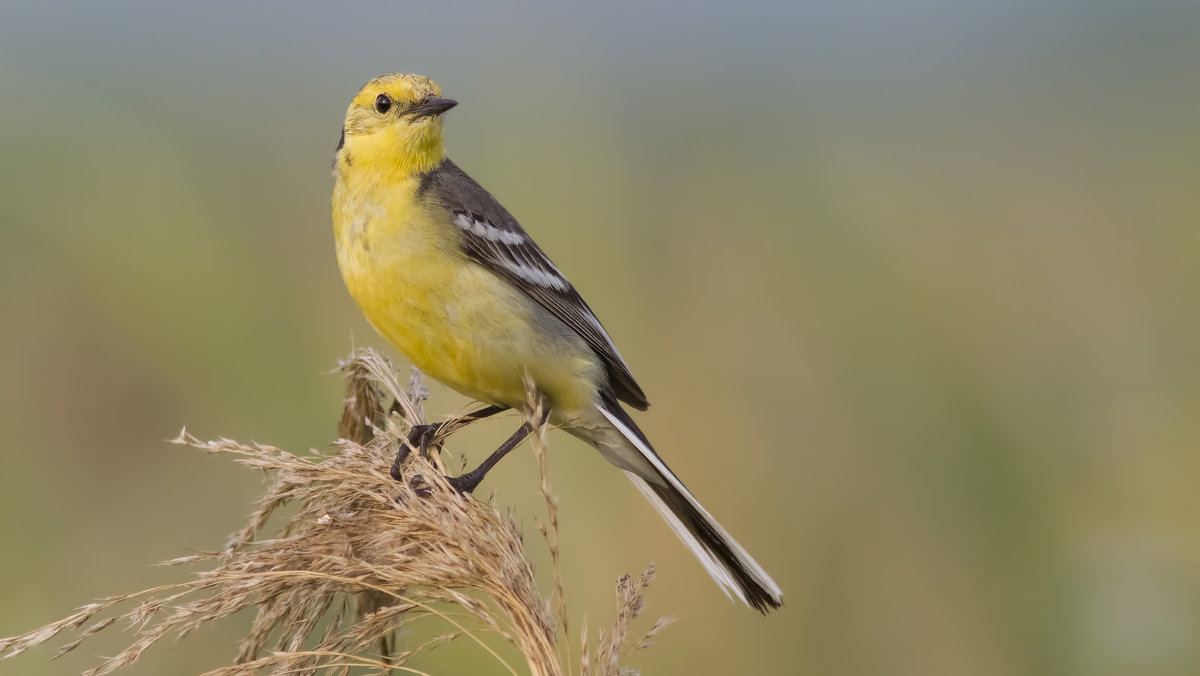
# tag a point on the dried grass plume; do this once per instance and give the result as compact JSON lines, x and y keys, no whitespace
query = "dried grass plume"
{"x":360,"y":557}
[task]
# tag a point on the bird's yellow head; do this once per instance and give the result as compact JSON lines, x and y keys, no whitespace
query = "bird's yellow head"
{"x":393,"y":127}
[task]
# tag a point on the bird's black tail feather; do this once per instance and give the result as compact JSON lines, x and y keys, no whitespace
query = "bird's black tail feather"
{"x":726,"y":561}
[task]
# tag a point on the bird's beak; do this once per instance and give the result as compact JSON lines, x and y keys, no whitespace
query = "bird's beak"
{"x":430,"y":107}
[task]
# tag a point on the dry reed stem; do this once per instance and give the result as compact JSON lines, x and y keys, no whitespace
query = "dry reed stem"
{"x":361,"y":557}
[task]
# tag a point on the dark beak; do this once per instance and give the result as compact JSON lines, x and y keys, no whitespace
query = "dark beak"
{"x":430,"y":107}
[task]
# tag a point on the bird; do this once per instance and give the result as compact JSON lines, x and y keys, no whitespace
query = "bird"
{"x":450,"y":278}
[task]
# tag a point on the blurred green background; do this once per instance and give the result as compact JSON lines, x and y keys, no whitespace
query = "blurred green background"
{"x":911,"y":286}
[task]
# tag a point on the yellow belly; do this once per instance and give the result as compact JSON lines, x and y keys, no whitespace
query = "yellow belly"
{"x":450,"y":316}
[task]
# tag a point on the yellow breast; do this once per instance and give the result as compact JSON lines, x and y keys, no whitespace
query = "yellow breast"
{"x":451,"y":317}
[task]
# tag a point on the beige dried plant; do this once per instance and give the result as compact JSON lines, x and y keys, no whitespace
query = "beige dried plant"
{"x":362,"y":556}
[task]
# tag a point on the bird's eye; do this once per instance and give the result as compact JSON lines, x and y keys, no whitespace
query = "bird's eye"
{"x":383,"y":103}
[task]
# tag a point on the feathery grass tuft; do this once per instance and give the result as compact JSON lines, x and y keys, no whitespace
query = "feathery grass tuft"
{"x":361,"y":557}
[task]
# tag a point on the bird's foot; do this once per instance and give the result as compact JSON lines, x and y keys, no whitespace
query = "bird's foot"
{"x":419,"y":486}
{"x":420,"y":437}
{"x":467,"y":482}
{"x":462,"y":485}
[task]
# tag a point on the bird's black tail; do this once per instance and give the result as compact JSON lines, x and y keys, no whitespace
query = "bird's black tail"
{"x":724,"y":559}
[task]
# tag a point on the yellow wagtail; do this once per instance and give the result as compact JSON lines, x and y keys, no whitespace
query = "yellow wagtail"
{"x":451,"y":279}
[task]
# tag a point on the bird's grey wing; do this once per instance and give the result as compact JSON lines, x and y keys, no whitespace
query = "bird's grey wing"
{"x":491,"y":236}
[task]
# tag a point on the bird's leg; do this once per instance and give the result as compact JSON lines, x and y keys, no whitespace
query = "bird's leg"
{"x":466,"y":483}
{"x":420,"y":437}
{"x":469,"y":481}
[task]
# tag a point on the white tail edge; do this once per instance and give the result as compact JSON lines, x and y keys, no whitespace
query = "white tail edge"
{"x":729,"y":564}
